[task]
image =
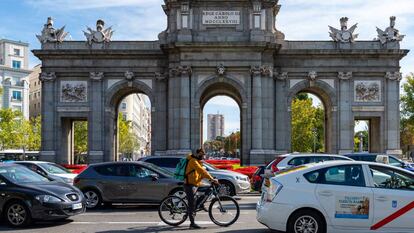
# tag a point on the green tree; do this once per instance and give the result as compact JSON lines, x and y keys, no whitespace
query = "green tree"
{"x":365,"y":140}
{"x":36,"y":135}
{"x":307,"y":123}
{"x":407,"y":113}
{"x":128,"y":140}
{"x":9,"y":128}
{"x":80,"y":141}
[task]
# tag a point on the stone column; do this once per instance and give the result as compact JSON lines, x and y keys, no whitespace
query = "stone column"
{"x":49,"y":128}
{"x":393,"y":112}
{"x":256,"y":108}
{"x":281,"y":113}
{"x":185,"y":110}
{"x":95,"y":121}
{"x":345,"y":121}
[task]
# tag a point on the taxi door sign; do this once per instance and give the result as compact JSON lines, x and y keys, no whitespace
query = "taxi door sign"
{"x":393,"y":216}
{"x":352,"y":207}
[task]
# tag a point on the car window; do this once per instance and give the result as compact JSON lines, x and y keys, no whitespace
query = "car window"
{"x":2,"y":182}
{"x":20,"y":174}
{"x":113,"y":170}
{"x":139,"y":172}
{"x":299,"y":161}
{"x":394,"y":162}
{"x":368,"y":158}
{"x":349,"y":175}
{"x":388,"y":178}
{"x":54,"y":168}
{"x":319,"y":159}
{"x":342,"y":159}
{"x":164,"y":162}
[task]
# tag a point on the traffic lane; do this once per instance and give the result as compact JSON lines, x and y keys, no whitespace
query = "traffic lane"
{"x":144,"y":218}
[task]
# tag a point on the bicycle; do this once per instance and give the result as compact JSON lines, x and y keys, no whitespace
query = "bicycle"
{"x":173,"y":209}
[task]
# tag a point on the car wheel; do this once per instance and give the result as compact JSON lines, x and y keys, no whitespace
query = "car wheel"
{"x":93,"y":199}
{"x":17,"y":214}
{"x":226,"y":188}
{"x":306,"y":222}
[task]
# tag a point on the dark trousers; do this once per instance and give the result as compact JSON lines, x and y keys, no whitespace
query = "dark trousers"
{"x":190,"y":190}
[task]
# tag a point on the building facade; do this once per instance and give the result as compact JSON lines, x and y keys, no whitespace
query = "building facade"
{"x":215,"y":126}
{"x":134,"y":109}
{"x":210,"y":49}
{"x":35,"y":89}
{"x":14,"y":69}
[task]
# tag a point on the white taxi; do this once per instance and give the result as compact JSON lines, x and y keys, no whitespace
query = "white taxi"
{"x":339,"y":196}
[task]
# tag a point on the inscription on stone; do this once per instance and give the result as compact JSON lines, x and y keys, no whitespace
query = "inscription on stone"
{"x":221,"y":17}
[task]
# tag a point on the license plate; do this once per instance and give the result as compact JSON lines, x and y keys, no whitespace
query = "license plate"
{"x":77,"y":206}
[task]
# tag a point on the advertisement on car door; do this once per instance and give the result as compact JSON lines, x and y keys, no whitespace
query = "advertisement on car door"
{"x":353,"y":207}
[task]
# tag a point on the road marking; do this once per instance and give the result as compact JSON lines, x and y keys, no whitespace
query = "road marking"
{"x":393,"y":216}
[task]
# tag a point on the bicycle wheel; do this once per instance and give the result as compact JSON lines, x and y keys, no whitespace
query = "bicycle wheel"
{"x":173,"y":210}
{"x":224,"y":211}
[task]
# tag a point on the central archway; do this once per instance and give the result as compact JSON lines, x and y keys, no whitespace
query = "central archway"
{"x":115,"y":97}
{"x":222,"y":86}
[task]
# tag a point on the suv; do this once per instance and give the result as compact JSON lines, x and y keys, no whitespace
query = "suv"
{"x":371,"y":157}
{"x":231,"y":183}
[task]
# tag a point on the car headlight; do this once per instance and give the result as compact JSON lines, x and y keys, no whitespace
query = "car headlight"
{"x":273,"y":189}
{"x":48,"y":199}
{"x":67,"y":180}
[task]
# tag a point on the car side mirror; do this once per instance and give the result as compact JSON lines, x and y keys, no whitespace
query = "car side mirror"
{"x":154,"y":177}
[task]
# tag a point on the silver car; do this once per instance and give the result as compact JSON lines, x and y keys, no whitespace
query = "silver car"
{"x":51,"y":170}
{"x":126,"y":182}
{"x":231,"y":183}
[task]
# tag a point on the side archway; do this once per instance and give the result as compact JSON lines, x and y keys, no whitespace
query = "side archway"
{"x":328,"y":97}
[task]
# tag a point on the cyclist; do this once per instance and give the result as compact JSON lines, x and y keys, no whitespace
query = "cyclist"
{"x":194,"y":174}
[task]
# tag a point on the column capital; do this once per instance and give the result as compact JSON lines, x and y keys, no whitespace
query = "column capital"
{"x":282,"y":76}
{"x":96,"y":76}
{"x":394,"y":76}
{"x":345,"y":76}
{"x":47,"y":77}
{"x":181,"y":70}
{"x":266,"y":71}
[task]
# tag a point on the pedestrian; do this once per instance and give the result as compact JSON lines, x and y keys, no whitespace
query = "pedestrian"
{"x":194,"y":174}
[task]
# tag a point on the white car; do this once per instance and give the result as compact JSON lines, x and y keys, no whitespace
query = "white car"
{"x":50,"y":170}
{"x":295,"y":159}
{"x":339,"y":196}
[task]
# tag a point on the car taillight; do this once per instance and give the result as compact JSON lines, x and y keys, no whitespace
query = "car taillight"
{"x":275,"y":163}
{"x":273,"y":190}
{"x":76,"y":180}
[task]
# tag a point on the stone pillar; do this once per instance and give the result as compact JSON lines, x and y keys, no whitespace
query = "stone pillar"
{"x":393,"y":112}
{"x":179,"y":112}
{"x":345,"y":121}
{"x":49,"y":129}
{"x":281,"y":114}
{"x":95,"y":121}
{"x":256,"y":109}
{"x":159,"y":112}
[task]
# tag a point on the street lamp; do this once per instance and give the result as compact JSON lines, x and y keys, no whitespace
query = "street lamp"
{"x":315,"y":133}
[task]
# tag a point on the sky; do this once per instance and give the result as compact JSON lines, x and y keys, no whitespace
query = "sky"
{"x":144,"y":19}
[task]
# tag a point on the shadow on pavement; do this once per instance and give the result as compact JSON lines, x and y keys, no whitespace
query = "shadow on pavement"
{"x":36,"y":225}
{"x":186,"y":228}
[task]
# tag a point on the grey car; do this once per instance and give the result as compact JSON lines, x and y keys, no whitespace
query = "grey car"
{"x":126,"y":182}
{"x":231,"y":183}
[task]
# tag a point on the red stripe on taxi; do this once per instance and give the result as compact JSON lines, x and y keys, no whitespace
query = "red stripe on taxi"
{"x":393,"y":216}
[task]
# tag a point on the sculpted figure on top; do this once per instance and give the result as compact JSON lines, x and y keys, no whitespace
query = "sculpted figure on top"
{"x":390,"y":34}
{"x":101,"y":35}
{"x":49,"y":34}
{"x":344,"y":35}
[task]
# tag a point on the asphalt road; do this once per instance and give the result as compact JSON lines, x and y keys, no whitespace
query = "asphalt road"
{"x":144,"y":218}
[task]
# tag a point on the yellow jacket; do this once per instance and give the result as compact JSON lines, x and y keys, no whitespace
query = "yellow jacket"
{"x":195,"y":172}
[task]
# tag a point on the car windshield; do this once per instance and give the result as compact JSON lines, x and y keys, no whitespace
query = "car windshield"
{"x":19,"y":175}
{"x":161,"y":170}
{"x":54,"y":168}
{"x":209,"y":167}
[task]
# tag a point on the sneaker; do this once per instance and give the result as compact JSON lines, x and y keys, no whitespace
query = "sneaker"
{"x":194,"y":226}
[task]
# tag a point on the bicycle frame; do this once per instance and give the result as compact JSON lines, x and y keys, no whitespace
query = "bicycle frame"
{"x":212,"y":191}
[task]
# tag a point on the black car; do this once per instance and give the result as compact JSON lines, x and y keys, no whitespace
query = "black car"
{"x":26,"y":196}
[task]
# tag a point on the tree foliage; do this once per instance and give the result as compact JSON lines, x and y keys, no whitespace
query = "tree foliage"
{"x":307,"y":123}
{"x":16,"y":132}
{"x":80,"y":138}
{"x":128,"y":140}
{"x":407,"y":113}
{"x":227,"y":145}
{"x":357,"y":140}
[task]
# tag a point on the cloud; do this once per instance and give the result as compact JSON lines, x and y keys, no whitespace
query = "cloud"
{"x":92,"y":4}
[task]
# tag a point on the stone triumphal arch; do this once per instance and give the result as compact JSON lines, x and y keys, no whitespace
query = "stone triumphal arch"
{"x":210,"y":48}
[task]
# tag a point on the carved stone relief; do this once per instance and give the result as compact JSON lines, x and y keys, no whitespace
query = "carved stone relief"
{"x":73,"y":91}
{"x":367,"y":91}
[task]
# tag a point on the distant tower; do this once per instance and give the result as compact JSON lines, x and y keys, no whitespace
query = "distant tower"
{"x":215,"y":126}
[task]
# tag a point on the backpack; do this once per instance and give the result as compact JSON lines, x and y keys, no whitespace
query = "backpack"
{"x":179,"y":173}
